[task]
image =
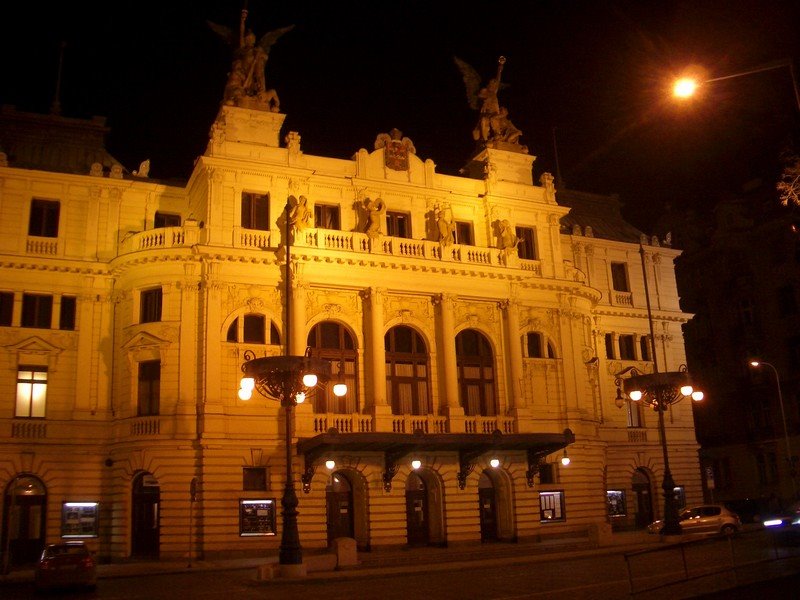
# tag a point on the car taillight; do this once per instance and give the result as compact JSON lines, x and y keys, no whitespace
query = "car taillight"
{"x":44,"y":565}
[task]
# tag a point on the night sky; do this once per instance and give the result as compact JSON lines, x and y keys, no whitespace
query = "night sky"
{"x":597,"y":71}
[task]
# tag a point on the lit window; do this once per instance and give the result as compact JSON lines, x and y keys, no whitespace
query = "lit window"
{"x":31,"y":392}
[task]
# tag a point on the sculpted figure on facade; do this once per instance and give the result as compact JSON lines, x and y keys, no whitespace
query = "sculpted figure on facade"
{"x":444,"y":224}
{"x":300,"y":215}
{"x":246,"y":85}
{"x":374,"y":208}
{"x":494,"y":129}
{"x":507,"y":240}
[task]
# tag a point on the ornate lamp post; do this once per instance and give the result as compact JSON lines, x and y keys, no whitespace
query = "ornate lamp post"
{"x":290,"y":379}
{"x":789,"y":457}
{"x":659,"y":391}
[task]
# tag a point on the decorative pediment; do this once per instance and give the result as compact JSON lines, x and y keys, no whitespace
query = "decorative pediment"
{"x":35,"y":351}
{"x":146,"y":346}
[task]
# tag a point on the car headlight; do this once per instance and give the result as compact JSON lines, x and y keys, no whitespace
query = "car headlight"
{"x":773,"y":523}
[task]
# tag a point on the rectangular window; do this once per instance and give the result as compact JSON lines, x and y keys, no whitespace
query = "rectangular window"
{"x":149,"y":392}
{"x":526,"y":248}
{"x":150,"y":306}
{"x":6,"y":308}
{"x":166,"y":220}
{"x":619,"y":277}
{"x":615,"y":502}
{"x":254,"y":479}
{"x":31,"y":392}
{"x":79,"y":520}
{"x":464,"y":233}
{"x":398,"y":224}
{"x":551,"y":507}
{"x":609,"y":340}
{"x":534,"y":345}
{"x":326,"y":216}
{"x":635,"y":414}
{"x":37,"y":311}
{"x":255,"y":211}
{"x":254,"y":330}
{"x":645,"y":348}
{"x":66,"y":318}
{"x":627,"y":347}
{"x":43,"y":220}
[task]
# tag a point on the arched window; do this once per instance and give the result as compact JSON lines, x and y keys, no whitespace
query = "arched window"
{"x":475,"y":362}
{"x":253,"y":329}
{"x":332,"y":342}
{"x":407,"y":371}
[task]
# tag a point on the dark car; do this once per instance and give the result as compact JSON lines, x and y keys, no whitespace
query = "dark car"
{"x":65,"y":565}
{"x":787,"y":521}
{"x":708,"y":518}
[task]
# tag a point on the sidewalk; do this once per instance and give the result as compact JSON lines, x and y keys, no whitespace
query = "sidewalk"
{"x":383,"y":561}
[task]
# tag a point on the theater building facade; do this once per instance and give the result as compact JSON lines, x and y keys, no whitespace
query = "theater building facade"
{"x":479,"y":322}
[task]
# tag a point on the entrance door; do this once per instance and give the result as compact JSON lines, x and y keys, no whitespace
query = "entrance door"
{"x":145,"y":517}
{"x":644,"y":500}
{"x":487,"y":500}
{"x":26,"y":499}
{"x":339,"y":500}
{"x":416,"y":511}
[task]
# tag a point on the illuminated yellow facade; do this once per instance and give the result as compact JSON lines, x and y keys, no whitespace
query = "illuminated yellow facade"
{"x":128,"y":305}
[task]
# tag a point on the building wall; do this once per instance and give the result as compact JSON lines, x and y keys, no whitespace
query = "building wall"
{"x":92,"y":444}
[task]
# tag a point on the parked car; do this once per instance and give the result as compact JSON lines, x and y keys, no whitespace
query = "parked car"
{"x":65,"y":565}
{"x":787,"y":521}
{"x":707,"y":518}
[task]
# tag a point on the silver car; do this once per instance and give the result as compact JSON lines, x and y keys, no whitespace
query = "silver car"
{"x":707,"y":518}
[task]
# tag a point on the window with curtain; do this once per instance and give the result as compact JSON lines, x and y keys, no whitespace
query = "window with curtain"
{"x":475,"y":364}
{"x":407,"y":371}
{"x":333,"y":342}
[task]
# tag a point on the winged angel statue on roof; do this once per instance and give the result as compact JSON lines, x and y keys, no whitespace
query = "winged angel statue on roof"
{"x":246,"y":85}
{"x":494,"y":129}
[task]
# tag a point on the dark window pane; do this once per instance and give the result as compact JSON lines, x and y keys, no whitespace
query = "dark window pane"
{"x":233,"y":331}
{"x":37,"y":311}
{"x":254,"y":329}
{"x":326,"y":217}
{"x":626,"y":347}
{"x":397,"y":224}
{"x":255,"y":211}
{"x":464,"y":233}
{"x":609,"y":339}
{"x":150,"y":309}
{"x":166,"y":220}
{"x":6,"y":308}
{"x":644,"y":346}
{"x":254,"y":479}
{"x":44,"y":218}
{"x":274,"y":335}
{"x":67,"y":317}
{"x":534,"y":345}
{"x":149,"y":387}
{"x":619,"y":277}
{"x":526,"y":248}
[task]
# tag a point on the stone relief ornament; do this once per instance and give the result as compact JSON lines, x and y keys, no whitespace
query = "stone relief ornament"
{"x":246,"y":85}
{"x":396,"y":149}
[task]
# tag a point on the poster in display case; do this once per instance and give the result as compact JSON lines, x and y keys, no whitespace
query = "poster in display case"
{"x":256,"y":517}
{"x":79,"y":520}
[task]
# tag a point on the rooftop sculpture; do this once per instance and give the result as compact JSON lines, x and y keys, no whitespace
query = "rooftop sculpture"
{"x":246,"y":84}
{"x":494,"y":129}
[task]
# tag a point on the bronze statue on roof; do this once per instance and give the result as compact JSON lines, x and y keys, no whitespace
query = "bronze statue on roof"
{"x":494,"y":129}
{"x":246,"y":85}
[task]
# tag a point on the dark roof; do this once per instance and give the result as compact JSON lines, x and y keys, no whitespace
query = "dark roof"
{"x":52,"y":142}
{"x":601,"y":213}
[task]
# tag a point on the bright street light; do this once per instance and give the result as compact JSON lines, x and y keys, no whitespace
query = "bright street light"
{"x":687,"y":86}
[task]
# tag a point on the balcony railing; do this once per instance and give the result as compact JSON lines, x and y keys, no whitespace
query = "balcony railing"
{"x":489,"y":424}
{"x":42,"y":245}
{"x":423,"y":423}
{"x":28,"y":429}
{"x":145,"y":426}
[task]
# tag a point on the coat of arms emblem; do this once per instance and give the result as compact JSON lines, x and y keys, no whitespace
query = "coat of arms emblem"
{"x":396,"y":149}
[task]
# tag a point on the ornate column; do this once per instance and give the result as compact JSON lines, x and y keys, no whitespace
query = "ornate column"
{"x":376,"y":358}
{"x":447,"y":342}
{"x":516,"y":399}
{"x":299,"y":339}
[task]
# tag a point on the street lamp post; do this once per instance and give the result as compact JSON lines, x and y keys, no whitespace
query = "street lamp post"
{"x":685,"y":87}
{"x":290,"y":379}
{"x":659,"y":390}
{"x":789,"y":458}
